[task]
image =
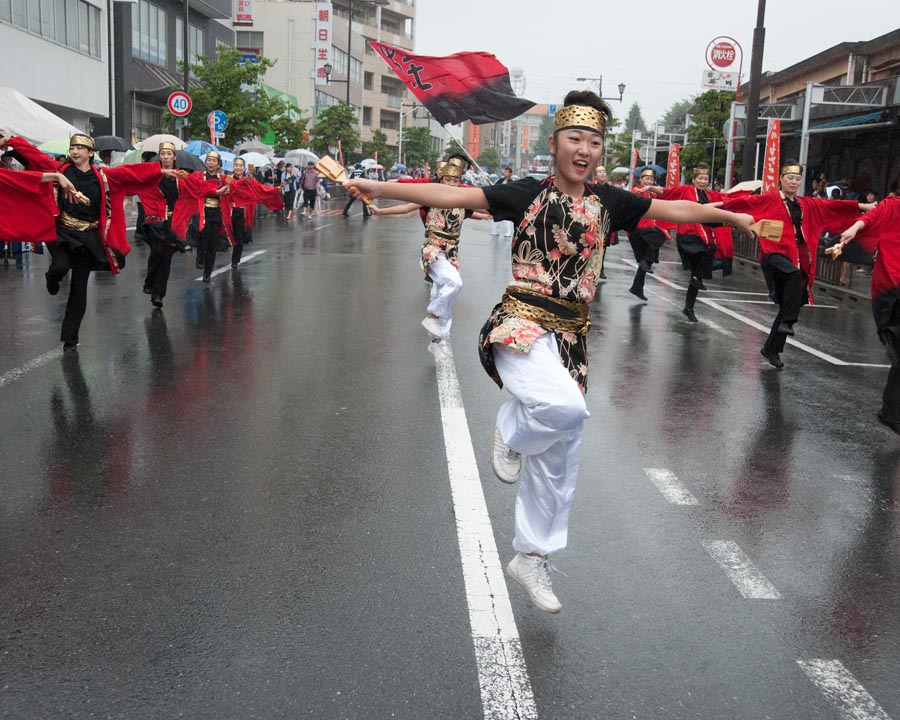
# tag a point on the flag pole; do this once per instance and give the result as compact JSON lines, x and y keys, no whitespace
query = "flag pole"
{"x":466,"y":153}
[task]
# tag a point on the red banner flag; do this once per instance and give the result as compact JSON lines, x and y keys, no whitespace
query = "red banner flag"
{"x":340,"y":153}
{"x":465,"y":86}
{"x":673,"y":166}
{"x":634,"y":159}
{"x":772,"y":163}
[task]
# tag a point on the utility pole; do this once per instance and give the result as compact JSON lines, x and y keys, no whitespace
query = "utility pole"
{"x":759,"y":41}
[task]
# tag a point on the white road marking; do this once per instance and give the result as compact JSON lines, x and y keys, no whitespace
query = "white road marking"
{"x":704,"y":320}
{"x":670,"y":486}
{"x":33,"y":364}
{"x":769,"y":302}
{"x":752,"y":323}
{"x":842,"y":690}
{"x":749,"y":581}
{"x":226,"y":268}
{"x":502,"y":675}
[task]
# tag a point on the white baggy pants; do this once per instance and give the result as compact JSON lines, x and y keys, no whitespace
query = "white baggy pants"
{"x":505,"y":225}
{"x":543,"y":421}
{"x":445,"y":286}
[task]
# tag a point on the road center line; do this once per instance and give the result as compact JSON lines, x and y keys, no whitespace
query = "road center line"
{"x":33,"y":364}
{"x":842,"y":690}
{"x":749,"y":581}
{"x":670,"y":486}
{"x":502,"y":675}
{"x":226,"y":268}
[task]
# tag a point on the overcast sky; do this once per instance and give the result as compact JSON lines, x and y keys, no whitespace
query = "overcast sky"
{"x":656,"y":48}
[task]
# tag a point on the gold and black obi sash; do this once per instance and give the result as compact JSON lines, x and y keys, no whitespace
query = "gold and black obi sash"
{"x":551,"y":313}
{"x":449,"y":238}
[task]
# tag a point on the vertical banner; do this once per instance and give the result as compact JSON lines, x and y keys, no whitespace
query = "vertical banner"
{"x":243,"y":13}
{"x":673,"y":166}
{"x":323,"y":39}
{"x":634,"y":159}
{"x":474,"y":140}
{"x":340,"y":153}
{"x":526,"y":144}
{"x":212,"y":128}
{"x":772,"y":162}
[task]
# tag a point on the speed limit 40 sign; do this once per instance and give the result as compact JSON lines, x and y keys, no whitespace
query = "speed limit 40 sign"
{"x":179,"y":104}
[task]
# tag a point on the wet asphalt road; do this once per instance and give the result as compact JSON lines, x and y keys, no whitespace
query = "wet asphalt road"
{"x":239,"y":506}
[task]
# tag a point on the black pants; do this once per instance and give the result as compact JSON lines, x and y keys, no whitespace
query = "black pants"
{"x":80,"y":262}
{"x":309,"y":199}
{"x":239,"y":226}
{"x":788,"y":290}
{"x":208,"y":240}
{"x":353,"y":200}
{"x":159,"y":264}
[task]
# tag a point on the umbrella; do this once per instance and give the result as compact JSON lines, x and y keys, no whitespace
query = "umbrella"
{"x":300,"y":157}
{"x":746,"y":185}
{"x":187,"y":161}
{"x":399,"y":166}
{"x":253,"y":146}
{"x":368,"y":162}
{"x":151,"y":144}
{"x":57,"y":146}
{"x":256,"y":159}
{"x":200,"y":147}
{"x":110,"y":142}
{"x":621,"y":171}
{"x":227,"y":159}
{"x":655,"y":168}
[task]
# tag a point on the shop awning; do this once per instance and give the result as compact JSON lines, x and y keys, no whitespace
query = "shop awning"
{"x":867,"y":119}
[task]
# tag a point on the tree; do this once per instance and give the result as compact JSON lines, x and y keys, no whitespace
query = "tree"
{"x":675,"y":117}
{"x":539,"y":145}
{"x":490,"y":159}
{"x":417,"y":147}
{"x":336,"y":122}
{"x":709,"y":115}
{"x":289,"y":127}
{"x":378,"y":145}
{"x":635,"y":120}
{"x":227,"y":84}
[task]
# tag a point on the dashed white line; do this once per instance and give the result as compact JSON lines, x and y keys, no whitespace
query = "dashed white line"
{"x":502,"y":675}
{"x":670,"y":486}
{"x":749,"y":581}
{"x":226,"y":268}
{"x":843,"y":690}
{"x":33,"y":364}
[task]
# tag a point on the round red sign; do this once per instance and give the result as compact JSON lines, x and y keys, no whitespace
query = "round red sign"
{"x":723,"y":54}
{"x":179,"y":104}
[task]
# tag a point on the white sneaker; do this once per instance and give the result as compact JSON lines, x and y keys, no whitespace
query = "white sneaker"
{"x":438,"y":350}
{"x":433,"y":326}
{"x":506,"y":463}
{"x":532,"y":572}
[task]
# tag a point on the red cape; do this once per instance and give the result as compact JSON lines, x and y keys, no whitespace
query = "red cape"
{"x":247,"y":192}
{"x":192,"y":191}
{"x":27,"y":207}
{"x":882,"y":232}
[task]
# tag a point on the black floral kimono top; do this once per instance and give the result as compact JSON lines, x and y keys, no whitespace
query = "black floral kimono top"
{"x":557,"y":250}
{"x":446,"y":224}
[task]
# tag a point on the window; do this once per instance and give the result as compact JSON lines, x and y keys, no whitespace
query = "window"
{"x":148,"y":33}
{"x":34,"y":16}
{"x":18,"y":14}
{"x":369,"y":81}
{"x":147,"y":120}
{"x":60,"y":35}
{"x":339,"y":62}
{"x":83,"y":28}
{"x":249,"y":41}
{"x":367,"y":116}
{"x":5,"y":11}
{"x":195,"y":41}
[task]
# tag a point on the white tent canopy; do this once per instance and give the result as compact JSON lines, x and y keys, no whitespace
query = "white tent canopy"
{"x":21,"y":116}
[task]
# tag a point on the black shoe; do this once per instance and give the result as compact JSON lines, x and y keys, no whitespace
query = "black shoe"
{"x":786,"y":328}
{"x":52,"y":284}
{"x":602,"y":275}
{"x":206,"y":279}
{"x":70,"y":347}
{"x":148,"y":290}
{"x":638,"y":294}
{"x":234,"y":266}
{"x":700,"y":285}
{"x":772,"y":357}
{"x":894,"y":427}
{"x":156,"y":300}
{"x":198,"y":263}
{"x":689,"y":314}
{"x":650,"y":270}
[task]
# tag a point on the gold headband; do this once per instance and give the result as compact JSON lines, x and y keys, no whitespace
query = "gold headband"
{"x":451,"y":169}
{"x":791,"y":170}
{"x":241,"y":161}
{"x":579,"y":116}
{"x":213,"y":153}
{"x":459,"y":162}
{"x":165,"y":145}
{"x":79,"y":139}
{"x":647,"y":171}
{"x":700,"y":171}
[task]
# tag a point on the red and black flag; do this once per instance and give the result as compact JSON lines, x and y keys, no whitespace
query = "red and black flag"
{"x":465,"y":86}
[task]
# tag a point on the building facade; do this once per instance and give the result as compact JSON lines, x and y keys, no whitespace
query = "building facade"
{"x":71,"y":38}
